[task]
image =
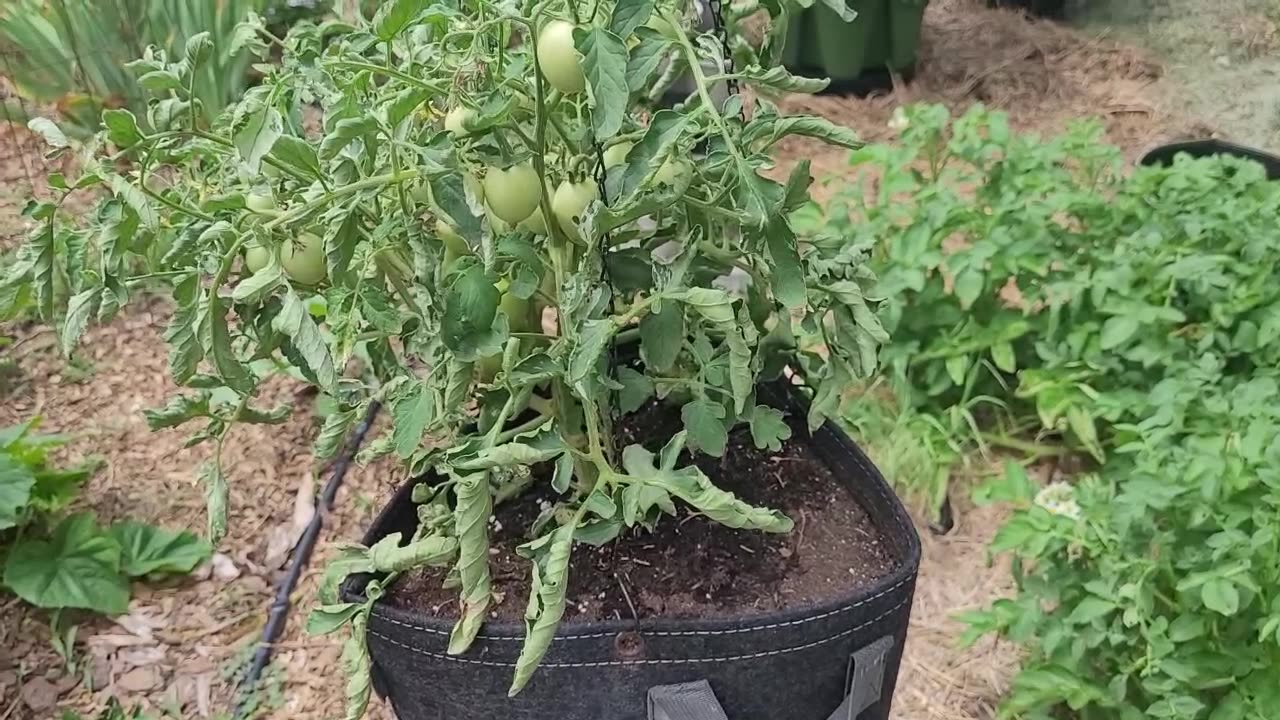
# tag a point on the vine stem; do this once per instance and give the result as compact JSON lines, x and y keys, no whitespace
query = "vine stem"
{"x":700,"y":81}
{"x":355,"y":187}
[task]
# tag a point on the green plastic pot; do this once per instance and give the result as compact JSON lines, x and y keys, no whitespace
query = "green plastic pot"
{"x":885,"y":35}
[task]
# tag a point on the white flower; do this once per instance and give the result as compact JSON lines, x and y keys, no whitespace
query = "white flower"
{"x":899,"y":121}
{"x":1059,"y":498}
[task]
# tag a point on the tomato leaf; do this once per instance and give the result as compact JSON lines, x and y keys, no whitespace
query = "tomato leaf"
{"x":215,"y":496}
{"x":605,"y":65}
{"x":340,"y":241}
{"x":777,"y":78}
{"x":645,"y":59}
{"x":218,"y":337}
{"x":298,"y":154}
{"x":647,"y":155}
{"x":257,"y":136}
{"x":471,"y":305}
{"x":146,"y":549}
{"x":768,"y":132}
{"x":295,"y":322}
{"x":549,"y":586}
{"x":16,"y":483}
{"x":333,"y":434}
{"x":449,"y":196}
{"x":393,"y":17}
{"x":77,"y":567}
{"x":704,"y":425}
{"x":122,"y":127}
{"x":471,"y":525}
{"x":788,"y":273}
{"x":258,"y":286}
{"x":40,"y":248}
{"x":769,"y":428}
{"x":637,"y":388}
{"x":629,"y":15}
{"x":185,"y":351}
{"x":413,"y":412}
{"x":662,"y":336}
{"x":79,"y":309}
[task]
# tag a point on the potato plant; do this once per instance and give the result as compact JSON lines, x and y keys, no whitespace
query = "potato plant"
{"x":487,"y":221}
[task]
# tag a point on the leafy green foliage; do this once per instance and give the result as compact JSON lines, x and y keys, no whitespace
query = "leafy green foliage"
{"x":70,"y":561}
{"x":485,"y":315}
{"x":1130,"y":317}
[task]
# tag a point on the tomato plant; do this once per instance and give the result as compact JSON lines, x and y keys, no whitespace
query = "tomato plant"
{"x":433,"y":255}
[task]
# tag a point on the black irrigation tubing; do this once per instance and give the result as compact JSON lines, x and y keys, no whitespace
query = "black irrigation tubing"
{"x":278,"y":613}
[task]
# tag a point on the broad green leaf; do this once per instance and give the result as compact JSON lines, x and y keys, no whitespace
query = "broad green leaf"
{"x":326,"y":619}
{"x":79,"y":309}
{"x":449,"y":197}
{"x":122,"y":127}
{"x":563,"y":475}
{"x":177,"y":411}
{"x":592,"y":341}
{"x":1002,"y":355}
{"x":1091,"y":608}
{"x":471,"y":525}
{"x":298,"y":154}
{"x":549,"y":586}
{"x":296,"y":323}
{"x":356,"y":665}
{"x":629,"y":15}
{"x":198,"y":49}
{"x":651,"y":151}
{"x":1220,"y":595}
{"x":769,"y":428}
{"x":77,"y":567}
{"x":146,"y":549}
{"x":388,"y":556}
{"x":1117,"y":330}
{"x":393,"y":17}
{"x":645,"y":59}
{"x":260,"y":285}
{"x":471,"y":304}
{"x":41,"y":248}
{"x":234,"y":373}
{"x":694,"y":488}
{"x":257,"y":416}
{"x":713,"y":304}
{"x":787,"y":271}
{"x":777,"y":78}
{"x":508,"y":455}
{"x":215,"y":496}
{"x":16,"y":482}
{"x":662,"y":337}
{"x":47,"y":129}
{"x":604,"y":62}
{"x":185,"y":351}
{"x":257,"y":136}
{"x":412,"y":413}
{"x":637,"y":388}
{"x":345,"y":131}
{"x":968,"y":286}
{"x":704,"y":423}
{"x":340,"y":241}
{"x":812,"y":126}
{"x":333,"y":434}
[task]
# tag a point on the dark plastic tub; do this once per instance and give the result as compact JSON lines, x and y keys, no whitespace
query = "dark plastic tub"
{"x":1043,"y":8}
{"x":859,"y":56}
{"x":1164,"y":154}
{"x":789,"y":665}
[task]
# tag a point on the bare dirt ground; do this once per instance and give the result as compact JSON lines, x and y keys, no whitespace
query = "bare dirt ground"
{"x":176,"y":650}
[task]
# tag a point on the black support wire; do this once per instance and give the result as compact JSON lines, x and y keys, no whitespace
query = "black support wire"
{"x":278,"y":613}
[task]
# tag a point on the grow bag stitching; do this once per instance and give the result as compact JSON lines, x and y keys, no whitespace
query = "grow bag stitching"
{"x":617,"y":663}
{"x":674,"y":633}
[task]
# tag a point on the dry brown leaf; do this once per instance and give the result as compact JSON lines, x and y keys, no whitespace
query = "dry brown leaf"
{"x":39,"y":694}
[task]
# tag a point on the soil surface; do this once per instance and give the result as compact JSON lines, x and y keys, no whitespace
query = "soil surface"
{"x":691,"y":566}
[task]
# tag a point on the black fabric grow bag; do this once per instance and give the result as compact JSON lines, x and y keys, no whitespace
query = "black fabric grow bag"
{"x":1164,"y":154}
{"x":788,"y":665}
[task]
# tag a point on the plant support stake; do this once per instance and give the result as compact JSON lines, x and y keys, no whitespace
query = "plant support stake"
{"x":278,"y":613}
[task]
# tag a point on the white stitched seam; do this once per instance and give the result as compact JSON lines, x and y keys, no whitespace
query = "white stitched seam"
{"x":614,"y":663}
{"x":676,"y":633}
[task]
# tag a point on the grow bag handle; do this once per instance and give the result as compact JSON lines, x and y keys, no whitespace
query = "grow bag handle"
{"x":697,"y":701}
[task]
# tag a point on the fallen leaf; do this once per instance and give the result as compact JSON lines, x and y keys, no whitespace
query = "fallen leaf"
{"x":204,"y":693}
{"x":110,"y":641}
{"x":283,"y":538}
{"x":140,"y":680}
{"x":140,"y":657}
{"x":39,"y":694}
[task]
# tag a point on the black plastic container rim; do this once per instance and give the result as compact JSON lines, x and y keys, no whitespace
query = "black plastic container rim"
{"x":1206,"y":147}
{"x":777,"y":393}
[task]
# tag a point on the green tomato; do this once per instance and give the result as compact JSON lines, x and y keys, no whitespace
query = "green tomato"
{"x":535,"y":223}
{"x":453,"y":242}
{"x":672,"y":172}
{"x":615,"y":155}
{"x":519,"y":312}
{"x":570,"y":203}
{"x":457,"y":119}
{"x":256,"y":257}
{"x":513,"y":193}
{"x":558,"y":58}
{"x":473,"y":185}
{"x":261,"y":203}
{"x":304,"y":260}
